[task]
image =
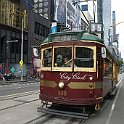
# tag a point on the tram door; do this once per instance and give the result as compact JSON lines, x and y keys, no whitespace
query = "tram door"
{"x":99,"y":70}
{"x":99,"y":64}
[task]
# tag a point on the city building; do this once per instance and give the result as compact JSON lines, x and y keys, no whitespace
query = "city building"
{"x":109,"y":25}
{"x":43,"y":8}
{"x":85,"y":21}
{"x":12,"y":14}
{"x":62,"y":11}
{"x":107,"y":19}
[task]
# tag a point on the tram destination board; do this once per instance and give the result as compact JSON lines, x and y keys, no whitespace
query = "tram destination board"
{"x":69,"y":37}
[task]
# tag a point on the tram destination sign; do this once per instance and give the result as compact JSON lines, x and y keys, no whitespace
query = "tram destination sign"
{"x":69,"y":37}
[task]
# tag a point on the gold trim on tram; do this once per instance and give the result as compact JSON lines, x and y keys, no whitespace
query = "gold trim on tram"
{"x":74,"y":85}
{"x":47,"y":83}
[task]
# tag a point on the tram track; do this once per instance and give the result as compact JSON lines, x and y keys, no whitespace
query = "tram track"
{"x":17,"y":95}
{"x":19,"y":104}
{"x":14,"y":98}
{"x":75,"y":120}
{"x":51,"y":119}
{"x":45,"y":118}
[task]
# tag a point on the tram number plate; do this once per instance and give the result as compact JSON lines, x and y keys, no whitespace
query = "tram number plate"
{"x":62,"y":93}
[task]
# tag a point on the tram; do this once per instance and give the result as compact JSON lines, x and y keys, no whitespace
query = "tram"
{"x":77,"y":70}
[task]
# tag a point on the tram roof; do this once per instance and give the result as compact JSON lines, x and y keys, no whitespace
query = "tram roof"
{"x":71,"y":36}
{"x":91,"y":37}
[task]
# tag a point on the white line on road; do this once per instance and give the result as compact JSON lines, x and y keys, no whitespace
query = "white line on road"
{"x":113,"y":105}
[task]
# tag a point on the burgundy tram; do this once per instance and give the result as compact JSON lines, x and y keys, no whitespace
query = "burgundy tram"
{"x":76,"y":70}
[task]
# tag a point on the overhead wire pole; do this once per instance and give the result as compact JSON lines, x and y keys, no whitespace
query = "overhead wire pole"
{"x":22,"y":42}
{"x":22,"y":36}
{"x":21,"y":66}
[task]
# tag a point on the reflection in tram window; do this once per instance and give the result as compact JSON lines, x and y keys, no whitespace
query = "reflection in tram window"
{"x":84,"y":57}
{"x":47,"y":57}
{"x":60,"y":53}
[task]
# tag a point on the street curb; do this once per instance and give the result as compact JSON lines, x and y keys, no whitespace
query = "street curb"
{"x":16,"y":81}
{"x":10,"y":82}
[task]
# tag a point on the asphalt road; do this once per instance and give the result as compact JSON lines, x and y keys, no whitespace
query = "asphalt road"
{"x":19,"y":87}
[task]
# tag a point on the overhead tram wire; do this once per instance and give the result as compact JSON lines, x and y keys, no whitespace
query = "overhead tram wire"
{"x":76,"y":3}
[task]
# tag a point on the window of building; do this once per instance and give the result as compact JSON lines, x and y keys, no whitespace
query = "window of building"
{"x":40,"y":10}
{"x":40,"y":4}
{"x":11,"y":14}
{"x":35,"y":1}
{"x":41,"y":30}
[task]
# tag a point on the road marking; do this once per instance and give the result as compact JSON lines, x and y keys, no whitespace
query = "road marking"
{"x":114,"y":103}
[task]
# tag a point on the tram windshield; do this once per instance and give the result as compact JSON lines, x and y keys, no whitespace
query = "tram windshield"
{"x":67,"y":57}
{"x":84,"y":57}
{"x":63,"y":57}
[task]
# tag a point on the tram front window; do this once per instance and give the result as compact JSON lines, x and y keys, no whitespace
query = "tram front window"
{"x":84,"y":57}
{"x":62,"y":57}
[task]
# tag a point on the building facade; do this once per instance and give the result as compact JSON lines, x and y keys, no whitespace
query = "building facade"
{"x":11,"y":15}
{"x":61,"y":11}
{"x":12,"y":12}
{"x":43,"y":8}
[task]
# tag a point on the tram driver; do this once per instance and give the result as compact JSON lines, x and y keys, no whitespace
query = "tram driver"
{"x":59,"y":60}
{"x":68,"y":62}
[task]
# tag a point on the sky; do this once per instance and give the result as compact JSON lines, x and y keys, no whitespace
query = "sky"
{"x":118,"y":7}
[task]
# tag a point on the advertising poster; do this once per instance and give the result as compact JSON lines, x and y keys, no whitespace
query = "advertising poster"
{"x":60,"y":11}
{"x":73,"y":15}
{"x":68,"y":14}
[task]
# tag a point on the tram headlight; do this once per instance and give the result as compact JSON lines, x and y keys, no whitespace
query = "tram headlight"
{"x":91,"y":78}
{"x":61,"y":85}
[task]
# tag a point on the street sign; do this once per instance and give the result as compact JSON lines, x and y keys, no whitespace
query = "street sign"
{"x":21,"y":63}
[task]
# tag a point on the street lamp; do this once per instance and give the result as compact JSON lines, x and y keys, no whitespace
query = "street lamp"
{"x":22,"y":43}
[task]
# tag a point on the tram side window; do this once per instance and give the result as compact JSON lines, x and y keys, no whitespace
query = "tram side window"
{"x":84,"y":57}
{"x":62,"y":56}
{"x":47,"y":57}
{"x":107,"y":71}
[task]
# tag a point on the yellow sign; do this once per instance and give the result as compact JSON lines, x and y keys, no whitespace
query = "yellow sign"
{"x":21,"y":63}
